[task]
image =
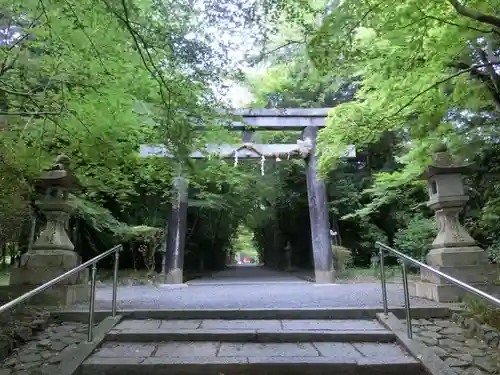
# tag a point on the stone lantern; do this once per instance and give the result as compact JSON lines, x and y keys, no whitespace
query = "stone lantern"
{"x":52,"y":254}
{"x":453,"y":251}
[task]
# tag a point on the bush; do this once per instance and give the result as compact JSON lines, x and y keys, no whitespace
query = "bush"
{"x":342,"y":258}
{"x":416,"y":239}
{"x":14,"y":202}
{"x":482,"y":311}
{"x":493,"y":252}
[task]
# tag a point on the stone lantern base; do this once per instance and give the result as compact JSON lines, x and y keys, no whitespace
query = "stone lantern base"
{"x":467,"y":264}
{"x":40,"y":266}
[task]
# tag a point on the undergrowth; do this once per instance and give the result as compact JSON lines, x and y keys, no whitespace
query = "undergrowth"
{"x":482,"y":311}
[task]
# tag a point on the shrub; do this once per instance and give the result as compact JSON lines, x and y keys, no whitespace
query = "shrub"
{"x":342,"y":257}
{"x":416,"y":239}
{"x":15,"y":206}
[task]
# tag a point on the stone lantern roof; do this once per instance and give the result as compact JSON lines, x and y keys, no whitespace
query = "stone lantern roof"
{"x":59,"y":175}
{"x":444,"y":163}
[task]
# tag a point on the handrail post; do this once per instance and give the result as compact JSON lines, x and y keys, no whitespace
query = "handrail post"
{"x":92,"y":302}
{"x":82,"y":267}
{"x":115,"y":281}
{"x":382,"y":280}
{"x":407,"y":299}
{"x":407,"y":259}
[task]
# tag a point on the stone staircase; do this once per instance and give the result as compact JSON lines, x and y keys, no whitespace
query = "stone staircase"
{"x":228,"y":344}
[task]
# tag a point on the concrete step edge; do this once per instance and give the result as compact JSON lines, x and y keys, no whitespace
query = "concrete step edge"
{"x":249,"y":365}
{"x":159,"y":335}
{"x":418,"y":312}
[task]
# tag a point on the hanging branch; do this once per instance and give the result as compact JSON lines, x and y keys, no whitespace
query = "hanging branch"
{"x":474,"y":14}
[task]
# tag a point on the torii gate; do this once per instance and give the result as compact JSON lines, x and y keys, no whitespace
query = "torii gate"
{"x":307,"y":120}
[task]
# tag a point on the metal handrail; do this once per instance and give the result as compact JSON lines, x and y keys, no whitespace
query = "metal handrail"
{"x":382,"y":247}
{"x":92,"y":262}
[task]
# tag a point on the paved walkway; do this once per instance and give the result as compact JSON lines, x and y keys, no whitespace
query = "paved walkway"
{"x":247,"y":274}
{"x":252,"y":287}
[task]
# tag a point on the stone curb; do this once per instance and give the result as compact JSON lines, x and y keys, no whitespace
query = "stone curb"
{"x":487,"y":334}
{"x":259,"y":336}
{"x":135,"y":281}
{"x":432,"y":363}
{"x":255,"y":314}
{"x":71,"y":364}
{"x":304,"y":277}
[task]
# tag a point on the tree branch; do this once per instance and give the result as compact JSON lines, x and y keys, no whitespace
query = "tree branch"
{"x":454,"y":24}
{"x":474,"y":14}
{"x":81,"y":26}
{"x":287,"y":44}
{"x":434,"y":85}
{"x":138,"y":41}
{"x":360,"y":21}
{"x":33,"y":114}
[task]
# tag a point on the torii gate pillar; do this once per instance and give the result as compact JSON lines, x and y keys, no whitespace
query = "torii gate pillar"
{"x":318,"y":213}
{"x":176,"y":232}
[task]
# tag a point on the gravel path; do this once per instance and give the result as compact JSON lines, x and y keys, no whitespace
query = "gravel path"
{"x":251,"y":287}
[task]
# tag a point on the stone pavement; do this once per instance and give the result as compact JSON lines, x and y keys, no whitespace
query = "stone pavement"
{"x":154,"y":325}
{"x":143,"y":353}
{"x":466,"y":355}
{"x":252,"y":287}
{"x":46,"y":349}
{"x":215,"y":346}
{"x":250,"y":330}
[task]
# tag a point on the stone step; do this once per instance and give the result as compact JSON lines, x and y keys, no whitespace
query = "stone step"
{"x":152,"y":330}
{"x":422,"y":312}
{"x":231,"y":358}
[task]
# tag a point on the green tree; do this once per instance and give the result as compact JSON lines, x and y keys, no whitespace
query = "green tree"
{"x":424,"y":68}
{"x":96,"y":79}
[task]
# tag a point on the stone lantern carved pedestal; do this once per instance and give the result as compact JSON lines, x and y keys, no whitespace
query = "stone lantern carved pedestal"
{"x":52,"y":254}
{"x":454,"y":251}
